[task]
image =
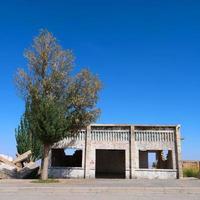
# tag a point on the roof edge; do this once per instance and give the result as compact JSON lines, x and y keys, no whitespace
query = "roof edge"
{"x":144,"y":125}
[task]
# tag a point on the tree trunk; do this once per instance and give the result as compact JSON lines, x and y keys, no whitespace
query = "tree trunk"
{"x":45,"y":163}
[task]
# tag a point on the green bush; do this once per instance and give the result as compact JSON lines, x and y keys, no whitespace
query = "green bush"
{"x":189,"y":172}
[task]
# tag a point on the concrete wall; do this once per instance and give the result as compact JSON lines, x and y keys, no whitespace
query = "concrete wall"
{"x":91,"y":156}
{"x":156,"y":173}
{"x":66,"y":172}
{"x":191,"y":164}
{"x":132,"y":139}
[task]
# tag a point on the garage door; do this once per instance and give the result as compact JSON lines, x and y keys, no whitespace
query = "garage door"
{"x":110,"y":163}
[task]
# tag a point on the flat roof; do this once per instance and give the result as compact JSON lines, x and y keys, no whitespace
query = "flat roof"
{"x":141,"y":125}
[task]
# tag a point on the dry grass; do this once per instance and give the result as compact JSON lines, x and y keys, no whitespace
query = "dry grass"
{"x":189,"y":172}
{"x":45,"y":181}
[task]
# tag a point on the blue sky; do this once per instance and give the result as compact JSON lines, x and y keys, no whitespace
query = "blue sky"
{"x":147,"y":54}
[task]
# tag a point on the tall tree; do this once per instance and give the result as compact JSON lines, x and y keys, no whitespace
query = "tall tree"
{"x":60,"y":104}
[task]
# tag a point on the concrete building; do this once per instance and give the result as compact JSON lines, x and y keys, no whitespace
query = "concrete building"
{"x":119,"y":151}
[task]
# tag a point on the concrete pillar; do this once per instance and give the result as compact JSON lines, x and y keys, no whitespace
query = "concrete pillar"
{"x":130,"y":158}
{"x":174,"y":156}
{"x":134,"y":154}
{"x":178,"y":152}
{"x":87,"y":152}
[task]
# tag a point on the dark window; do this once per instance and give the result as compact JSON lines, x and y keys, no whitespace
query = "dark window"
{"x":155,"y":159}
{"x":66,"y":157}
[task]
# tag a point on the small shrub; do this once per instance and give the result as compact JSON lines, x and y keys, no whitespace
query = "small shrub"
{"x":45,"y":181}
{"x":198,"y":176}
{"x":189,"y":172}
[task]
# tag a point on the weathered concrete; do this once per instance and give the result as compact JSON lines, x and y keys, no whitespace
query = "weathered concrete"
{"x":135,"y":140}
{"x":66,"y":172}
{"x":156,"y":173}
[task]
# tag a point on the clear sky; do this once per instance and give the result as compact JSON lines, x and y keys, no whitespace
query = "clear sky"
{"x":147,"y":54}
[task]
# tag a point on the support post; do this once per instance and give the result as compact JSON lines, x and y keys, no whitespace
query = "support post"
{"x":130,"y":158}
{"x":178,"y":152}
{"x":87,"y":152}
{"x":134,"y":159}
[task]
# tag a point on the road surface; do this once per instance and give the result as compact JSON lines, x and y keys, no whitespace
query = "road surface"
{"x":101,"y":189}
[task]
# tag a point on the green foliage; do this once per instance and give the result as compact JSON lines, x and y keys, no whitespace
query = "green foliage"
{"x":190,"y":172}
{"x":49,"y":121}
{"x":25,"y":138}
{"x":22,"y":135}
{"x":60,"y":103}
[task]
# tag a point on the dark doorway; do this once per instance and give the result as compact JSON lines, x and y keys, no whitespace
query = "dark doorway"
{"x":110,"y":163}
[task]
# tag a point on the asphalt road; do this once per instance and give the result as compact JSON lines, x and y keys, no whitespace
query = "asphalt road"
{"x":186,"y":189}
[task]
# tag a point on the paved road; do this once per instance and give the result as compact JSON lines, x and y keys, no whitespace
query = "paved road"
{"x":101,"y":190}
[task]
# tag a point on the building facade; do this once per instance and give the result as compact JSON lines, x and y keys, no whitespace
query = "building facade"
{"x":119,"y":151}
